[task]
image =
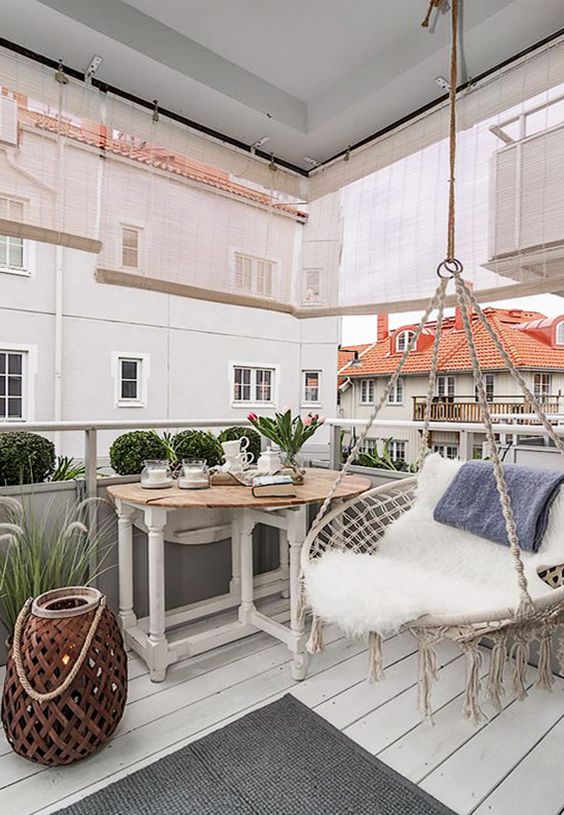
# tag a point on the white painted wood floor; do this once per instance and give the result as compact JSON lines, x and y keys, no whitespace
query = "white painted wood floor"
{"x":511,"y":765}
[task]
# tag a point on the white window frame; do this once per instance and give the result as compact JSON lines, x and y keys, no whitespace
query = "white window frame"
{"x":370,"y":445}
{"x":367,"y":391}
{"x":312,"y":294}
{"x":140,"y":246}
{"x":447,"y":384}
{"x":144,"y":362}
{"x":254,"y":366}
{"x":311,"y":402}
{"x":559,"y":333}
{"x":394,"y":450}
{"x":444,"y":447}
{"x":403,"y":338}
{"x":28,"y":247}
{"x":254,"y":272}
{"x":541,"y":390}
{"x":489,"y":386}
{"x":395,"y":396}
{"x":29,"y":375}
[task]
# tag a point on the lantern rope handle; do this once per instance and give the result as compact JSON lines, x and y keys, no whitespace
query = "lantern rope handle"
{"x":65,"y":685}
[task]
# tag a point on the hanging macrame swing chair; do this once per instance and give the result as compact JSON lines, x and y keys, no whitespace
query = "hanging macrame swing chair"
{"x":366,"y":562}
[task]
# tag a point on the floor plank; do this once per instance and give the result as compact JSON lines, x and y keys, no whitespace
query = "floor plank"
{"x":536,"y":784}
{"x":476,"y":769}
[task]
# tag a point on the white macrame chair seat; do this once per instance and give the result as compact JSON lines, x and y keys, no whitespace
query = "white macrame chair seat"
{"x":358,"y":525}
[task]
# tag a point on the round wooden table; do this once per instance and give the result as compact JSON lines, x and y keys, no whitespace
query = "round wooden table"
{"x":288,"y":514}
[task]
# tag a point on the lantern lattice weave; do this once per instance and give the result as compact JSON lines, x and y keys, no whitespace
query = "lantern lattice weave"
{"x":75,"y":722}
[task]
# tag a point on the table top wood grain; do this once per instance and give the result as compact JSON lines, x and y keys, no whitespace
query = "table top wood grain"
{"x":315,"y":488}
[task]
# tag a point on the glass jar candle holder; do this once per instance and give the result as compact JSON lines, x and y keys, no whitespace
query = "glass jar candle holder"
{"x":195,"y":474}
{"x":156,"y":474}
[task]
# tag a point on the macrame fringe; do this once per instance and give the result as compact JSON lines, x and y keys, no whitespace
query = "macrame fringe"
{"x":496,"y":679}
{"x":375,"y":668}
{"x":428,"y":670}
{"x":520,"y":656}
{"x":546,"y":679}
{"x":471,"y":707}
{"x":315,"y":644}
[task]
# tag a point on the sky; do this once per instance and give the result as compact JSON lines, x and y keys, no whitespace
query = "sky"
{"x":357,"y":330}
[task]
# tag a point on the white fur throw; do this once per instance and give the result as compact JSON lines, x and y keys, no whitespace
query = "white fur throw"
{"x":423,"y":567}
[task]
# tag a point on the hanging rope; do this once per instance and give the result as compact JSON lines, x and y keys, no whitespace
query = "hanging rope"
{"x":526,"y":605}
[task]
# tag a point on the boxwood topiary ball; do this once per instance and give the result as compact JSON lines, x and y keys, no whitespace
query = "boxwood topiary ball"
{"x":129,"y":451}
{"x":254,"y":437}
{"x":198,"y":444}
{"x":25,"y":458}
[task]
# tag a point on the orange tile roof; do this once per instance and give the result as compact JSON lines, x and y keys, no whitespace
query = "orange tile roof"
{"x":346,"y":355}
{"x":514,"y":328}
{"x":153,"y":155}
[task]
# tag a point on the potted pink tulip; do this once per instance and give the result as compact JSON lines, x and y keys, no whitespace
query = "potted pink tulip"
{"x":288,"y":432}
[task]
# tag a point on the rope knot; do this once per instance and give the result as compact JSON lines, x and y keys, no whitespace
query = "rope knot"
{"x":434,"y":4}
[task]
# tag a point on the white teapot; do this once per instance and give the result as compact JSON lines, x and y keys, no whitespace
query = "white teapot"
{"x":269,"y":462}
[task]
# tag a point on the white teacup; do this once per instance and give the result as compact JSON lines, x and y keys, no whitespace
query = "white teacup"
{"x":234,"y":447}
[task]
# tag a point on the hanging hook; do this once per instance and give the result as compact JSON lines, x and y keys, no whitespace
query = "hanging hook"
{"x":452,"y":266}
{"x":155,"y":110}
{"x":272,"y":166}
{"x":347,"y":155}
{"x":60,"y":75}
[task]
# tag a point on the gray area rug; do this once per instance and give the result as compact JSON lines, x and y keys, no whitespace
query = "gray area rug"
{"x":282,"y":759}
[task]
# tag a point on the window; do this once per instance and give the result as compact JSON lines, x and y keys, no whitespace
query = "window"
{"x":130,"y":372}
{"x":367,"y":391}
{"x":395,"y":396}
{"x":560,"y":333}
{"x":253,"y":384}
{"x":370,"y":446}
{"x":541,"y":385}
{"x":12,"y":250}
{"x":312,"y":286}
{"x":445,"y":386}
{"x":311,"y":391}
{"x":130,"y":247}
{"x":129,"y":379}
{"x":403,"y":339}
{"x":489,"y":382}
{"x":397,"y":450}
{"x":253,"y":275}
{"x":489,"y":387}
{"x":12,"y":385}
{"x":446,"y":450}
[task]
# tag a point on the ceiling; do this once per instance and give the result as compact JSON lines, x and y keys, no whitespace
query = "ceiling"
{"x":312,"y":75}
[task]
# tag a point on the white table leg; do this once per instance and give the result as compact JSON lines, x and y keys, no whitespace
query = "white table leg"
{"x":157,"y":647}
{"x":284,"y":565}
{"x":127,"y":616}
{"x":247,"y":525}
{"x":235,"y":582}
{"x":296,"y":536}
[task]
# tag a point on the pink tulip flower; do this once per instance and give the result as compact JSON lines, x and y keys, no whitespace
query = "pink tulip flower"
{"x":307,"y":421}
{"x":252,"y":417}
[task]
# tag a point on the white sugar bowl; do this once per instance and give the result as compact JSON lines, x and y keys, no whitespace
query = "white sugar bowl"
{"x":269,"y":462}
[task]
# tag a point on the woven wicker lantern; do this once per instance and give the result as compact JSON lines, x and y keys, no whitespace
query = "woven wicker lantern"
{"x":66,"y":677}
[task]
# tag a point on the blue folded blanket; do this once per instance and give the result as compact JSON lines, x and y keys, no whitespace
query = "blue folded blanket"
{"x":472,"y":502}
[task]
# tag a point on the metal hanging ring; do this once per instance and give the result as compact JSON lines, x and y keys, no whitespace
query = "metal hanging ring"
{"x":449,"y":268}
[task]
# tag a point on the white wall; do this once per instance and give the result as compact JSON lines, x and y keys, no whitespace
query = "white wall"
{"x":190,"y":344}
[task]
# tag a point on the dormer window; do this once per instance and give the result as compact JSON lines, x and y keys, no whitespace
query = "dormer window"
{"x":560,"y":333}
{"x":403,"y":339}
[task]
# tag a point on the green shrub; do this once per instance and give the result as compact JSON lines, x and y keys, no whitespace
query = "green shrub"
{"x":128,"y":452}
{"x":231,"y":433}
{"x":25,"y":458}
{"x":198,"y":444}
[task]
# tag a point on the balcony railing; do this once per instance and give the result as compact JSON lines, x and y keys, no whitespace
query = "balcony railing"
{"x":467,"y":409}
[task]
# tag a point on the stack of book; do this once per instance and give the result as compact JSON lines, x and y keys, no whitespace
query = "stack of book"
{"x":269,"y":486}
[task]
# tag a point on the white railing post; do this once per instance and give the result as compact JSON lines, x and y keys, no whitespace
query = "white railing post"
{"x":466,"y":446}
{"x":91,"y":466}
{"x":335,"y":447}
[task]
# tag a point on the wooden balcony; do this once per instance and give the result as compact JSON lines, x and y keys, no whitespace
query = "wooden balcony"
{"x":467,"y":409}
